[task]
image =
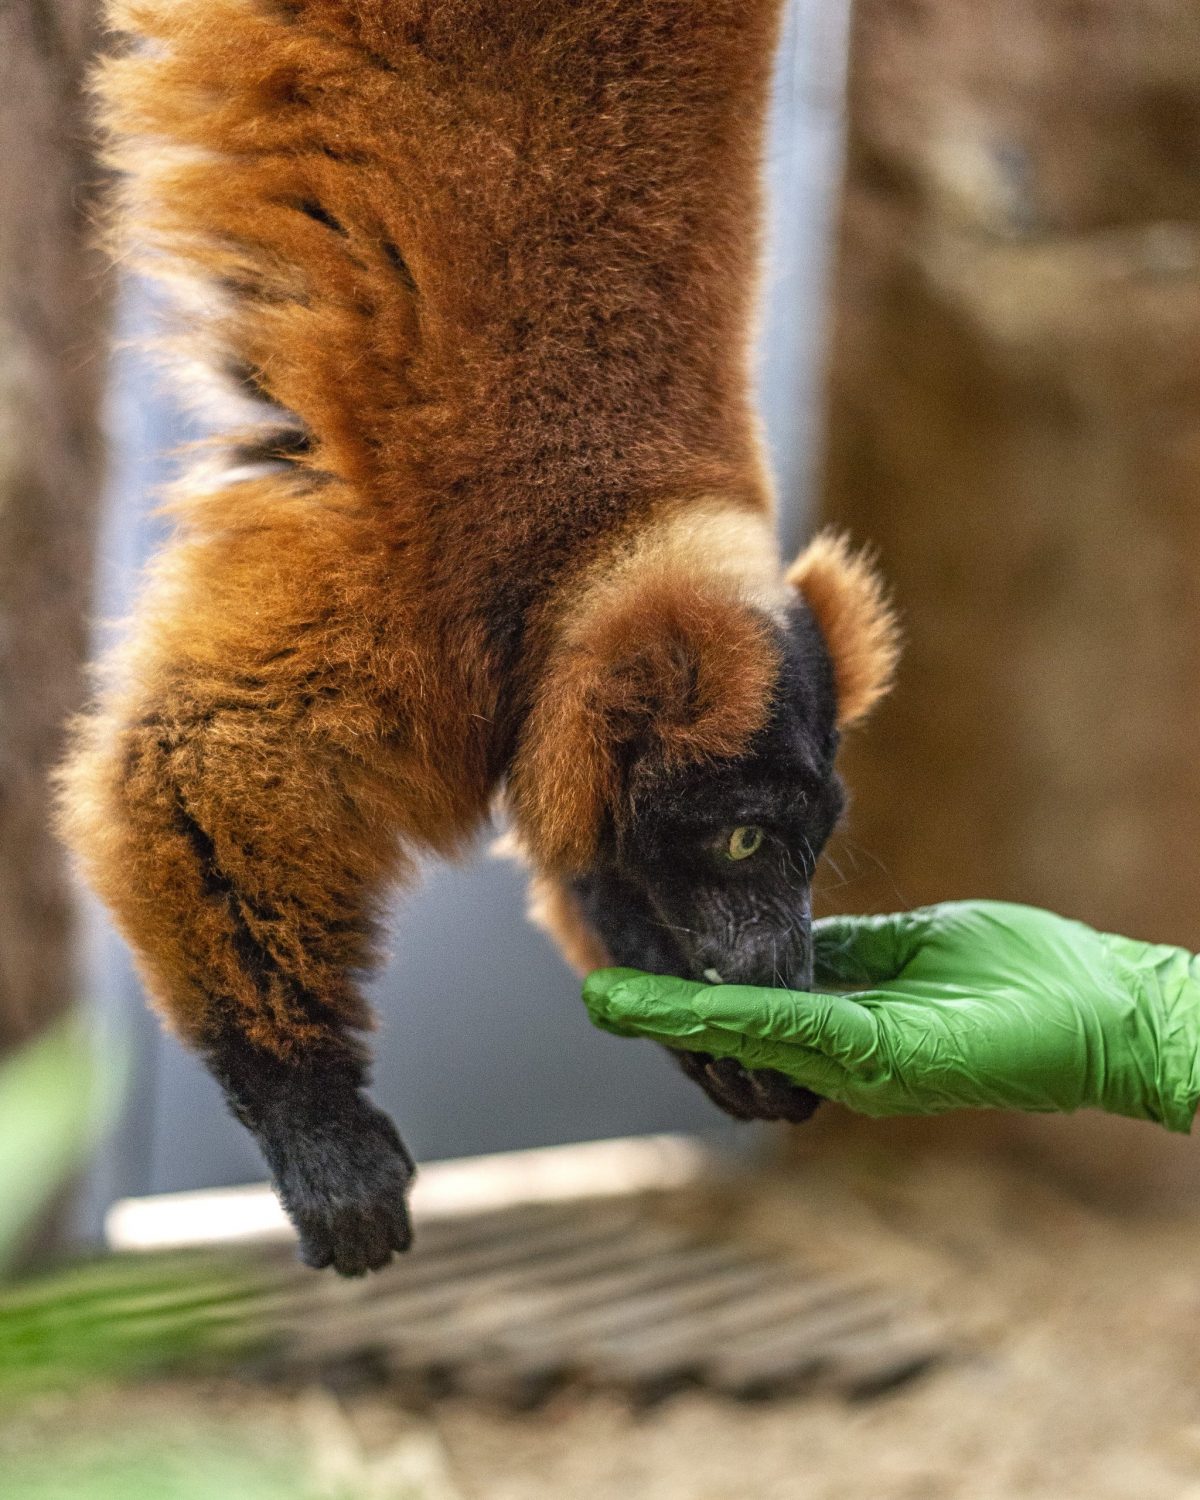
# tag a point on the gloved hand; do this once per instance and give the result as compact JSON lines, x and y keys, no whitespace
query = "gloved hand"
{"x":968,"y":1005}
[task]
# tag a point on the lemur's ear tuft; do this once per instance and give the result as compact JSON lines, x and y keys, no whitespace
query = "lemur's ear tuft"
{"x":674,"y":673}
{"x":849,"y":602}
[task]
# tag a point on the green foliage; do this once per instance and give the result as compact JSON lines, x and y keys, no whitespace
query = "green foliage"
{"x":57,"y":1095}
{"x":113,"y":1317}
{"x":128,"y":1315}
{"x":203,"y":1463}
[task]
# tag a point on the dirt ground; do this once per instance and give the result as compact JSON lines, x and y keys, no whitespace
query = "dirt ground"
{"x":1076,"y":1377}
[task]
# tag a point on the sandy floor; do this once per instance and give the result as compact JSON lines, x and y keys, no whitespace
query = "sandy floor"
{"x":1078,"y":1376}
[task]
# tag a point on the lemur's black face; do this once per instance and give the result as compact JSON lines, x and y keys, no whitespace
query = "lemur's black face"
{"x":712,"y":876}
{"x":711,"y":879}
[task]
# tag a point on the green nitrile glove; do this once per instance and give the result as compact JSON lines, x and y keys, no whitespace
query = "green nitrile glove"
{"x":969,"y":1005}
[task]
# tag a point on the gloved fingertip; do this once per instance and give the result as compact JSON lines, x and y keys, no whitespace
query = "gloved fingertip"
{"x":622,"y":1001}
{"x":602,"y":983}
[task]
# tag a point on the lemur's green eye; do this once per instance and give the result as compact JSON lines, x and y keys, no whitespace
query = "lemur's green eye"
{"x":745,"y":841}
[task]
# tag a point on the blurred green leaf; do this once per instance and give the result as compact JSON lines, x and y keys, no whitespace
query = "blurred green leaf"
{"x":127,"y":1316}
{"x":57,"y":1096}
{"x":191,"y":1459}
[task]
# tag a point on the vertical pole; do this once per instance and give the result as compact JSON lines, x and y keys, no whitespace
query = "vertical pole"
{"x":804,"y":161}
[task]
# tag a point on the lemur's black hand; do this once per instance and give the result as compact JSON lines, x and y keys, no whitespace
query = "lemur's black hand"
{"x":342,"y":1174}
{"x":338,"y":1164}
{"x":761,"y":1094}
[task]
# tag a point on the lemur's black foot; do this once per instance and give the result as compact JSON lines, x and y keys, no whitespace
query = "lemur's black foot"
{"x":342,"y":1173}
{"x":759,"y":1094}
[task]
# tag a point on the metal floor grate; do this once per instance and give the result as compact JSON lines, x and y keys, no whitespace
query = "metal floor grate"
{"x":624,"y":1294}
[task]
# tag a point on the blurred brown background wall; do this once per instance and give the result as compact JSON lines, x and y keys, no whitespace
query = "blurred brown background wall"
{"x":51,"y":372}
{"x":1015,"y":421}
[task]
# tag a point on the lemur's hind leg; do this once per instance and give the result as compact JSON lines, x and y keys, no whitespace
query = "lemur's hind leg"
{"x":242,"y":799}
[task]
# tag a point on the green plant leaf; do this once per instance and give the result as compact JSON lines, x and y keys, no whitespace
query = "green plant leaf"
{"x":57,"y":1096}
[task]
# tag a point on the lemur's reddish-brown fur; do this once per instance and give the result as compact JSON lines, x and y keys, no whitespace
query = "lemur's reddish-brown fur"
{"x":498,"y":257}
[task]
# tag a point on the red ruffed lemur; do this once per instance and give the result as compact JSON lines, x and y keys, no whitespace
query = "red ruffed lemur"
{"x":486,"y":511}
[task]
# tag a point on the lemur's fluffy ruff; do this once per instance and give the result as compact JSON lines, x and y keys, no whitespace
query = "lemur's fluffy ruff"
{"x":481,"y":274}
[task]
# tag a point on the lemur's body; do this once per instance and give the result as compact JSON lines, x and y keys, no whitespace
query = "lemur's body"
{"x":494,"y":510}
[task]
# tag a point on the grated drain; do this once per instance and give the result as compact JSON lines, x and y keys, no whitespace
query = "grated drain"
{"x":513,"y":1303}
